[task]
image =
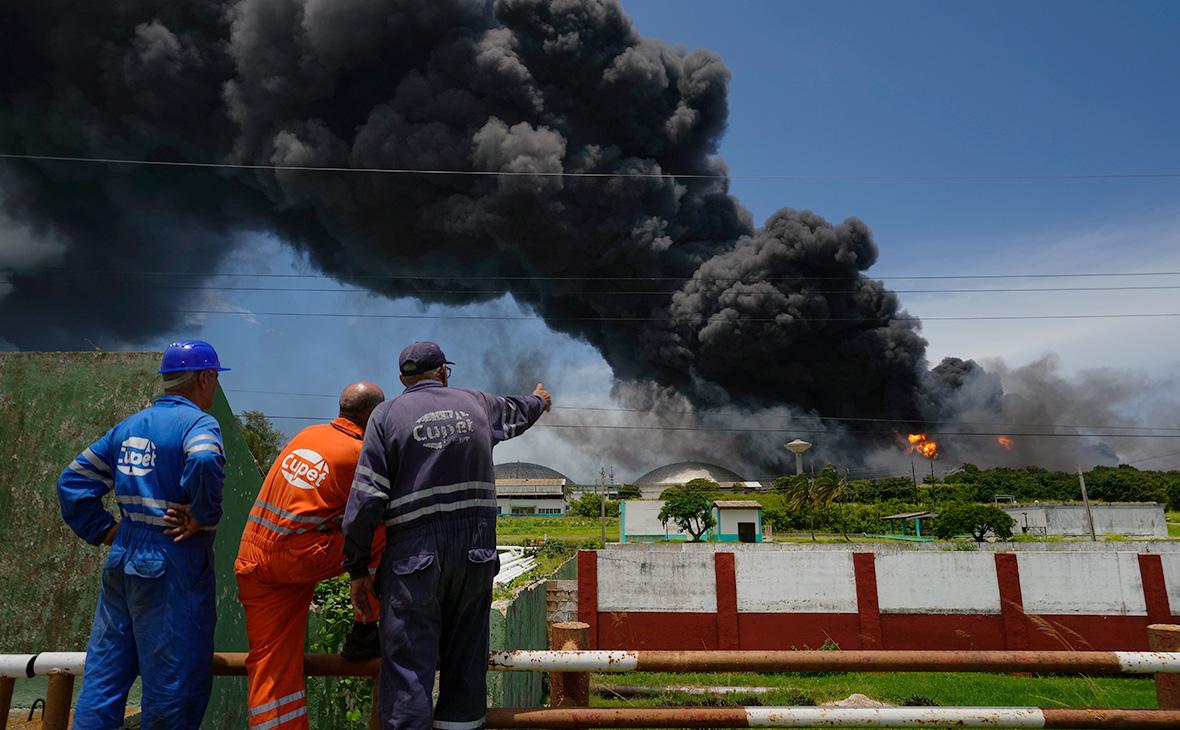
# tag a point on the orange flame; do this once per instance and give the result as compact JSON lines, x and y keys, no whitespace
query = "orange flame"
{"x":920,"y":443}
{"x":1006,"y":442}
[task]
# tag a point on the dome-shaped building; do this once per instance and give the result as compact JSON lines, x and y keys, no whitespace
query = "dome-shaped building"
{"x":526,"y":470}
{"x":684,"y":471}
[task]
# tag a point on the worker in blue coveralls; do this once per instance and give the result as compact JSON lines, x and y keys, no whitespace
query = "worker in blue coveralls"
{"x":156,"y":609}
{"x":426,"y":470}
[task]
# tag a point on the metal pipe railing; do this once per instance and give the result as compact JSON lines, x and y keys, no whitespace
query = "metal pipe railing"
{"x":883,"y":717}
{"x":571,"y":665}
{"x":1058,"y":662}
{"x":609,"y":661}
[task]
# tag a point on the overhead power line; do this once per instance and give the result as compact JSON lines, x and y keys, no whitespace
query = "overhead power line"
{"x":712,"y":429}
{"x":1015,"y":177}
{"x":617,"y":292}
{"x":685,"y":320}
{"x":839,"y":419}
{"x":631,"y":278}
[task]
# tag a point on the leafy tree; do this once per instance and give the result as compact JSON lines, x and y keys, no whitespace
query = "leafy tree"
{"x":813,"y":497}
{"x":629,"y":491}
{"x":974,"y":519}
{"x":692,"y":512}
{"x":590,"y":505}
{"x":263,"y":439}
{"x":701,"y":485}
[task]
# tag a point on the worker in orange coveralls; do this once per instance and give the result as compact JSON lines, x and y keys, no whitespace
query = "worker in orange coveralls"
{"x":291,"y":542}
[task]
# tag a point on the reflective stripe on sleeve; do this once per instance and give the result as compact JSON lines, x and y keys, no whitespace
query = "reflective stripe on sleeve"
{"x":98,"y":463}
{"x":77,"y":468}
{"x":434,"y":508}
{"x":202,"y":447}
{"x":364,"y":471}
{"x":200,"y":438}
{"x":436,"y":491}
{"x":370,"y":490}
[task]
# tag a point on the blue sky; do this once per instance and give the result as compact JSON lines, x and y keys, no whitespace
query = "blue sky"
{"x":859,"y":88}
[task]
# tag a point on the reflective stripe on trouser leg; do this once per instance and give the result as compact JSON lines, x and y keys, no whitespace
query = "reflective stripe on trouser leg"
{"x":276,"y":623}
{"x":466,"y":599}
{"x":111,"y":662}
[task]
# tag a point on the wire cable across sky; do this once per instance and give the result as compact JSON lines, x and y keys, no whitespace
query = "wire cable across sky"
{"x":1013,"y":177}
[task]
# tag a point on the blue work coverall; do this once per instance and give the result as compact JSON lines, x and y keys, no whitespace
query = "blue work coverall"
{"x":426,"y":470}
{"x":157,"y":608}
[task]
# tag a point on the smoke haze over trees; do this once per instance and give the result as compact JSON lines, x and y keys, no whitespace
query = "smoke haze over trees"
{"x":735,"y":318}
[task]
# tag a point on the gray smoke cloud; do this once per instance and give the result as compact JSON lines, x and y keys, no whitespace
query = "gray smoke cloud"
{"x":735,"y":318}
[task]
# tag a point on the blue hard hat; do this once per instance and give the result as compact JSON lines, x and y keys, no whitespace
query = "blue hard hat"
{"x":190,"y":355}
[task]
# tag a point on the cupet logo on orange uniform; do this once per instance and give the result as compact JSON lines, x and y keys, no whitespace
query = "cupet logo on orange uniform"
{"x":304,"y":468}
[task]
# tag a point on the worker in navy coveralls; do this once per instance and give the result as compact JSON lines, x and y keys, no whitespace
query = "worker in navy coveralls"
{"x":156,"y":609}
{"x":426,"y":470}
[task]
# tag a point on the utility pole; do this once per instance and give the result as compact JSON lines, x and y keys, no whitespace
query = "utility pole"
{"x":602,"y":504}
{"x":1086,"y":501}
{"x":914,"y":472}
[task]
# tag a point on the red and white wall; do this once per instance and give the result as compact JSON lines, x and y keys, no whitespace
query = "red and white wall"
{"x":751,"y":599}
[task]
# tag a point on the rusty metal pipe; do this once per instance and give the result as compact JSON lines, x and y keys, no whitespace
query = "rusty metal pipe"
{"x":1165,"y":637}
{"x":785,"y":717}
{"x":59,"y":696}
{"x":228,"y":663}
{"x":1064,"y":662}
{"x":6,"y":686}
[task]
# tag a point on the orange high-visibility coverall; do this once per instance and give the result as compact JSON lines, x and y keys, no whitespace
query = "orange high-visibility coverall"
{"x":291,"y":542}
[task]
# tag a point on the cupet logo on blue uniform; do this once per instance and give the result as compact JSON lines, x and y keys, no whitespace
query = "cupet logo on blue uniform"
{"x":137,"y":456}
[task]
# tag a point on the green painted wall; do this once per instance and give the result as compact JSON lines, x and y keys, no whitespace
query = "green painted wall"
{"x":52,"y":405}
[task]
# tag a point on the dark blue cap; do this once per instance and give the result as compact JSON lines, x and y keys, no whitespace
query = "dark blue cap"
{"x":421,"y":357}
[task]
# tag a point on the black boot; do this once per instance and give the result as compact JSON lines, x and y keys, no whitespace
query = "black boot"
{"x":362,"y":642}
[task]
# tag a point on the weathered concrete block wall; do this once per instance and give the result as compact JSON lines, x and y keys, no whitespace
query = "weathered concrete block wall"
{"x":779,"y":599}
{"x":522,"y":623}
{"x":561,"y":602}
{"x":1134,"y":520}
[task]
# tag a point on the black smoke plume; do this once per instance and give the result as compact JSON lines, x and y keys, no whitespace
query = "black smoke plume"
{"x":733,"y":317}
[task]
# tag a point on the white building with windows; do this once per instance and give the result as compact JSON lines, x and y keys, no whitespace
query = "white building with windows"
{"x":525,"y":489}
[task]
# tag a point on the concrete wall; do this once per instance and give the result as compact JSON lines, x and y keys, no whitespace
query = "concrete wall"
{"x":1136,"y":520}
{"x":640,"y":519}
{"x":731,"y":598}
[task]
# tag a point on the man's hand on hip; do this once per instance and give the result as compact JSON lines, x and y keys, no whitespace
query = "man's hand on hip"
{"x":184,"y":524}
{"x":363,"y":595}
{"x":544,"y":394}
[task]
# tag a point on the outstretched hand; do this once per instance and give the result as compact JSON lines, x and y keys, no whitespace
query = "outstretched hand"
{"x":544,"y":394}
{"x":183,"y":522}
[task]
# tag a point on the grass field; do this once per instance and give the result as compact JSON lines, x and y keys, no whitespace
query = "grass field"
{"x":573,"y":530}
{"x":949,"y":689}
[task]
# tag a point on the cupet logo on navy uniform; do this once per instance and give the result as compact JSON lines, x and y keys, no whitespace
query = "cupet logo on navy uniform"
{"x":437,"y":429}
{"x":137,"y":456}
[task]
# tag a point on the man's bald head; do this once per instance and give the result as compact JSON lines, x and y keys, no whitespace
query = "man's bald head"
{"x":358,"y":401}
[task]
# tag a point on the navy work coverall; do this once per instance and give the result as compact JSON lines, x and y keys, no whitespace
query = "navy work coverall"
{"x":426,"y":470}
{"x":157,"y":608}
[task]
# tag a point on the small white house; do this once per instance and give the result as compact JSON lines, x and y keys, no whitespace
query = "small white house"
{"x":532,"y":497}
{"x":737,"y":520}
